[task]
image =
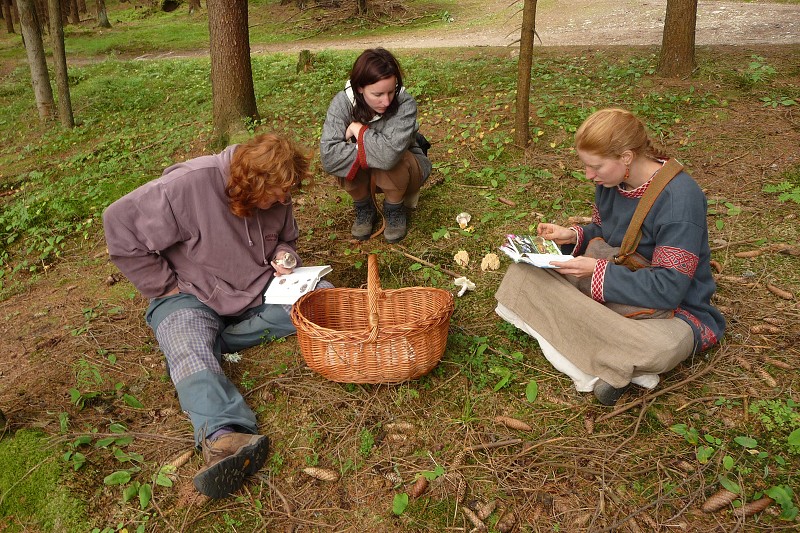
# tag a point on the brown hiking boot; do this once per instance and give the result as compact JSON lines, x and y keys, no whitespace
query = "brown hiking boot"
{"x":229,"y":459}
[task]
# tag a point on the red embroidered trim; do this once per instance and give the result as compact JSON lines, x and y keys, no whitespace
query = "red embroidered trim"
{"x":707,"y":337}
{"x":598,"y":279}
{"x":579,"y":237}
{"x":596,"y":215}
{"x":679,"y":259}
{"x":638,"y":192}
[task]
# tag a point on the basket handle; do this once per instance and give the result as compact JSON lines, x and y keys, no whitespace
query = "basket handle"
{"x":373,"y":293}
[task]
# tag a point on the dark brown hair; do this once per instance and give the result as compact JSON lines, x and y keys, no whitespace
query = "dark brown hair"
{"x":263,"y":163}
{"x":609,"y":132}
{"x":372,"y":66}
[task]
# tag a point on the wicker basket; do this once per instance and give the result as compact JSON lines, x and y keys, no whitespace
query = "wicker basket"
{"x":373,"y":335}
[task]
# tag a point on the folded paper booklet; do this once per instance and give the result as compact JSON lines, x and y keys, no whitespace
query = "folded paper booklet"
{"x":533,"y":250}
{"x":287,"y":289}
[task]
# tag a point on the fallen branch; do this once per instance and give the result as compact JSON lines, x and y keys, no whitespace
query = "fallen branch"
{"x":648,"y":397}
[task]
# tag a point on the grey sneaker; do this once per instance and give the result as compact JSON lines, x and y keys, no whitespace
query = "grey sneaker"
{"x":606,"y":394}
{"x":366,"y":215}
{"x":396,"y":222}
{"x":229,"y":459}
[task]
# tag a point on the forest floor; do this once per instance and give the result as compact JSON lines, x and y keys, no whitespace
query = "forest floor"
{"x":80,"y":307}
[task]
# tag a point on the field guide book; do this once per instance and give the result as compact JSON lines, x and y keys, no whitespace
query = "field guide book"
{"x":533,"y":250}
{"x":287,"y":289}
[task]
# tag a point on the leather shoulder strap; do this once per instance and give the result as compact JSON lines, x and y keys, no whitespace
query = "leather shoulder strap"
{"x":634,"y":234}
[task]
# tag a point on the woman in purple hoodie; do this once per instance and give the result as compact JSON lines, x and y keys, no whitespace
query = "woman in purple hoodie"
{"x":203,"y":241}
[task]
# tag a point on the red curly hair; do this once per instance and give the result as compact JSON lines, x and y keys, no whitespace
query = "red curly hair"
{"x":263,"y":163}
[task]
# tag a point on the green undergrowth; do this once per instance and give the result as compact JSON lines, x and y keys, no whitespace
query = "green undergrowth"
{"x":139,"y":30}
{"x":136,"y":117}
{"x":33,"y":492}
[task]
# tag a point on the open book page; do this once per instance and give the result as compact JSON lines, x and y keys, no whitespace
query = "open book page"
{"x":287,"y":289}
{"x":533,"y":250}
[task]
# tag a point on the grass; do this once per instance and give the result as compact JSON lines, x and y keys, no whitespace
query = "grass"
{"x":139,"y":31}
{"x":136,"y":117}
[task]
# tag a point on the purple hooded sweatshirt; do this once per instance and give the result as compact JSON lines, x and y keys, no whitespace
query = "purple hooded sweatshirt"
{"x":178,"y":231}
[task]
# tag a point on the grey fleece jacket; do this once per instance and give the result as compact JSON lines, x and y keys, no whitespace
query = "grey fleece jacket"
{"x":384,"y":141}
{"x":178,"y":231}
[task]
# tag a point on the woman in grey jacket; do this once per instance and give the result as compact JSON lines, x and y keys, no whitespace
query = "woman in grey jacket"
{"x":369,"y":136}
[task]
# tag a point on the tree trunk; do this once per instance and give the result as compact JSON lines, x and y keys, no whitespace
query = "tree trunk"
{"x":231,"y":72}
{"x":102,"y":15}
{"x":677,"y":45}
{"x":41,"y":15}
{"x":60,"y":65}
{"x":362,"y":7}
{"x":8,"y":16}
{"x":524,"y":66}
{"x":74,"y":17}
{"x":82,"y":6}
{"x":194,"y":5}
{"x":34,"y":47}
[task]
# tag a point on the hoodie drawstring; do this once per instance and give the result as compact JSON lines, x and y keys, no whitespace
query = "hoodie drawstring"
{"x":261,"y":234}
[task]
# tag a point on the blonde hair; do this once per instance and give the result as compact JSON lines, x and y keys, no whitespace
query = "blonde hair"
{"x":609,"y":132}
{"x":261,"y":164}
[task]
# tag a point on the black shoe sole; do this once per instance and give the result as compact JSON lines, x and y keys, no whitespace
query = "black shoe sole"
{"x":227,"y":476}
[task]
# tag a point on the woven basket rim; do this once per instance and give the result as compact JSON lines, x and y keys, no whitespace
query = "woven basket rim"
{"x":312,"y":329}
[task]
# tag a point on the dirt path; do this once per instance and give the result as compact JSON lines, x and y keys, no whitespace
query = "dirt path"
{"x":586,"y":22}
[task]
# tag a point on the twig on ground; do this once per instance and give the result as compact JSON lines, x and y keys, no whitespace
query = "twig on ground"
{"x":732,"y":160}
{"x":492,"y":445}
{"x":709,"y":367}
{"x":427,"y":263}
{"x":286,"y":506}
{"x":733,"y":243}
